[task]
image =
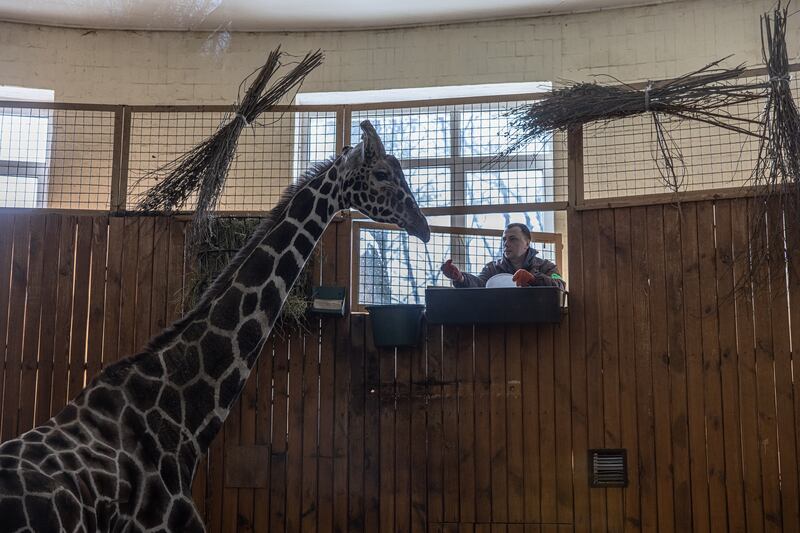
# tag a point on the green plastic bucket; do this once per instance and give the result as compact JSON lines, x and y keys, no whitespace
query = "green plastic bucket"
{"x":396,"y":324}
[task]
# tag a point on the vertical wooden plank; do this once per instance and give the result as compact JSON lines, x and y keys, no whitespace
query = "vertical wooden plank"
{"x":660,"y":356}
{"x":372,"y":432}
{"x":19,"y":281}
{"x":645,"y":412}
{"x":530,"y":426}
{"x":6,"y":248}
{"x":341,"y":385}
{"x":419,"y":477}
{"x":355,"y":425}
{"x":32,"y":315}
{"x":326,"y":389}
{"x":387,"y":438}
{"x":594,"y":359}
{"x":563,"y":434}
{"x":402,"y":432}
{"x":729,"y":360}
{"x":44,"y":378}
{"x":144,"y":283}
{"x":97,"y":295}
{"x":294,"y":458}
{"x":128,"y":286}
{"x":466,"y":424}
{"x":261,"y":511}
{"x":793,"y":271}
{"x":765,"y":381}
{"x":175,"y":270}
{"x":677,"y":368}
{"x":784,"y":400}
{"x":247,"y":437}
{"x":230,"y":495}
{"x":80,"y":307}
{"x":435,"y":477}
{"x":450,"y":424}
{"x":627,"y":366}
{"x":61,"y":342}
{"x":341,"y":433}
{"x":694,"y":369}
{"x":159,"y":293}
{"x":577,"y":362}
{"x":113,"y":304}
{"x":483,"y":428}
{"x":609,"y":353}
{"x":311,"y":403}
{"x":497,"y":370}
{"x":278,"y":473}
{"x":547,"y":424}
{"x":514,"y":419}
{"x":751,"y":456}
{"x":711,"y":365}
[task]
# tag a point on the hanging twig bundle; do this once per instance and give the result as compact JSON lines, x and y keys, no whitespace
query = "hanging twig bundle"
{"x":701,"y":95}
{"x":778,"y":165}
{"x":203,"y":169}
{"x":775,"y":212}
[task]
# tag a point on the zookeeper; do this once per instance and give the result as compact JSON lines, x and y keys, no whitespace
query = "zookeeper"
{"x":519,"y":259}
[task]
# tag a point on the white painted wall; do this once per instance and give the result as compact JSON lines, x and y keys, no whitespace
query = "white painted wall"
{"x":170,"y":67}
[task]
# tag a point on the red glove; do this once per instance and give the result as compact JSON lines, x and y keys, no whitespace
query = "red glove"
{"x":523,"y":278}
{"x":451,"y":271}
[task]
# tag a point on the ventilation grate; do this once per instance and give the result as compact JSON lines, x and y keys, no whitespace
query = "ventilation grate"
{"x":608,"y":468}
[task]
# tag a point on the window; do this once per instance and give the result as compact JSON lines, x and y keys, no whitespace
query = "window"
{"x":449,"y":152}
{"x":24,"y":148}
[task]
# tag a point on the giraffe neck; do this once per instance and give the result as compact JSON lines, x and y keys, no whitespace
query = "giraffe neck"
{"x":209,"y":360}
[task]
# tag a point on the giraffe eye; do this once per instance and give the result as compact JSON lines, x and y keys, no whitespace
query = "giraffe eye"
{"x":381,"y":175}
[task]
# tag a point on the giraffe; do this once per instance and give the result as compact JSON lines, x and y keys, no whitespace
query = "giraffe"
{"x":121,"y":456}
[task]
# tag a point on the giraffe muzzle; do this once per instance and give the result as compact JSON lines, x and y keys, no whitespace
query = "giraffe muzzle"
{"x":419,"y":229}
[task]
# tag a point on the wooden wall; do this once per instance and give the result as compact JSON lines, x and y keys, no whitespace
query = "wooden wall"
{"x":77,"y":293}
{"x":479,"y":428}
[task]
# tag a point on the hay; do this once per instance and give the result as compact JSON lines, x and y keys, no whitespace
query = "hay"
{"x":226,"y":236}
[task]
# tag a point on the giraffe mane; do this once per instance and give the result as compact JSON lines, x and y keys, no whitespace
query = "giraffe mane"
{"x":222,"y":281}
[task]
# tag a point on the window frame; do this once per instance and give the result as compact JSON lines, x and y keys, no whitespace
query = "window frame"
{"x":27,"y":168}
{"x":10,"y":168}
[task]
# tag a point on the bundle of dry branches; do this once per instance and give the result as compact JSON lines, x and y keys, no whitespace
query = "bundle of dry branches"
{"x":775,"y":215}
{"x":778,"y":165}
{"x":203,"y":169}
{"x":701,"y":95}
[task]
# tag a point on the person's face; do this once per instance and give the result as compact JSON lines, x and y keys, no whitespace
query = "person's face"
{"x":515,"y":243}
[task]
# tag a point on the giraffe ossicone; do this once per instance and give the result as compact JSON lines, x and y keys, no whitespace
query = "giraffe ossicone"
{"x":121,"y":456}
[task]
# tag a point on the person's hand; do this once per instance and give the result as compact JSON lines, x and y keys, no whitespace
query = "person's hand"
{"x":522,"y":278}
{"x":451,"y":271}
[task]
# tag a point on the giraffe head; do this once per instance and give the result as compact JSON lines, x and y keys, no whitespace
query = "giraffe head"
{"x":376,"y":186}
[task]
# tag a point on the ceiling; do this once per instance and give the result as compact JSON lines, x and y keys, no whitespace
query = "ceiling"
{"x":282,"y":15}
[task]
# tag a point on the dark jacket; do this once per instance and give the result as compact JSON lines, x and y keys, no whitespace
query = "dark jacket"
{"x":545,"y":272}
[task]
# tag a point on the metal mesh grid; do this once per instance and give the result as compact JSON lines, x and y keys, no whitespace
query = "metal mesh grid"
{"x":56,"y":158}
{"x":395,"y":269}
{"x":449,"y":155}
{"x":270,"y":154}
{"x":620,"y":158}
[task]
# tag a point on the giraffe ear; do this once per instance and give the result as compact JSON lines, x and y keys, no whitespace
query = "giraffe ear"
{"x":371,"y":142}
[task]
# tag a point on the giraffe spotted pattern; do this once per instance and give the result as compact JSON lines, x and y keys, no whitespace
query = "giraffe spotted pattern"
{"x":121,"y":456}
